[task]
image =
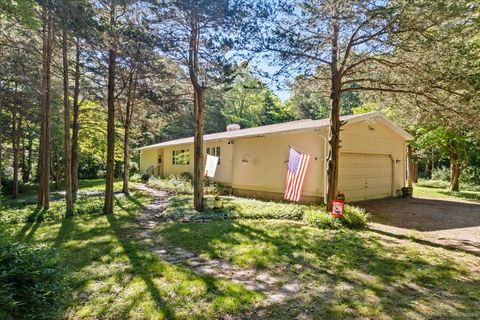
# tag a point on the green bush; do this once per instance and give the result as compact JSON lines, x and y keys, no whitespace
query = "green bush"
{"x":187,"y":176}
{"x":354,"y":217}
{"x":172,"y":184}
{"x":145,"y":177}
{"x":321,"y":219}
{"x":136,"y":178}
{"x":182,"y":184}
{"x":441,"y":174}
{"x":32,"y":284}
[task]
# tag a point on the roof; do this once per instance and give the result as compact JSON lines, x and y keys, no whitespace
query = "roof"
{"x":298,"y":125}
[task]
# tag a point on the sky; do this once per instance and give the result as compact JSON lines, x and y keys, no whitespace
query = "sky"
{"x":277,"y":85}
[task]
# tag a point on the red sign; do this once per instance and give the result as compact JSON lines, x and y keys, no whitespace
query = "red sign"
{"x":337,"y":209}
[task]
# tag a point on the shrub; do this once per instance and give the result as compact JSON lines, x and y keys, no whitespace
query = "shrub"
{"x":321,"y":219}
{"x":171,"y":184}
{"x":145,"y":177}
{"x":136,"y":178}
{"x":32,"y":284}
{"x":187,"y":176}
{"x":182,"y":184}
{"x":354,"y":217}
{"x":90,"y":167}
{"x":213,"y":187}
{"x":441,"y":174}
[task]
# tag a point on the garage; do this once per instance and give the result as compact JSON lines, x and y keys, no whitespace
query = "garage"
{"x":365,"y":176}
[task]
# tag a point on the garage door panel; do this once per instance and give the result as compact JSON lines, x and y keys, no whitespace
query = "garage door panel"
{"x":364,"y":176}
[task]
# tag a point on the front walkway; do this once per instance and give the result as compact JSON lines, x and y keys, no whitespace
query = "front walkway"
{"x":263,"y":282}
{"x":448,"y":223}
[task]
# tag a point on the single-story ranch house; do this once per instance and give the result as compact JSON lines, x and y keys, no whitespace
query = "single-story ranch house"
{"x":253,"y":161}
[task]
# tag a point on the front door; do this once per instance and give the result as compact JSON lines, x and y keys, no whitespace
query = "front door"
{"x":160,"y":161}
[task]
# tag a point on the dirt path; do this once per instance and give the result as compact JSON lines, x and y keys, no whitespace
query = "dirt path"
{"x":274,"y":290}
{"x":447,"y":223}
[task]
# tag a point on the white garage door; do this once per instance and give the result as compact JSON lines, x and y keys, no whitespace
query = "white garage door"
{"x":365,"y":176}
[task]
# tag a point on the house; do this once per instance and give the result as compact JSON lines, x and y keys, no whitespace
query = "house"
{"x":253,"y":161}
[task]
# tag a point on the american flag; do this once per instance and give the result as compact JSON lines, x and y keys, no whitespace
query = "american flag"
{"x":297,"y":167}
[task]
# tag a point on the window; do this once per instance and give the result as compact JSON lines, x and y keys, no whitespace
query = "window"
{"x":214,"y":151}
{"x":180,"y":157}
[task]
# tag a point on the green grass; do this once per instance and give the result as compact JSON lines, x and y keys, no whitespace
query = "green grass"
{"x":343,"y":273}
{"x":112,"y":276}
{"x":443,"y":193}
{"x":346,"y":273}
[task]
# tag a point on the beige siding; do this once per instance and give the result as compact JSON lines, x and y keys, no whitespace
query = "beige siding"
{"x":375,"y":138}
{"x":174,"y":169}
{"x":257,"y":166}
{"x":224,"y":170}
{"x":260,"y":164}
{"x":148,"y":158}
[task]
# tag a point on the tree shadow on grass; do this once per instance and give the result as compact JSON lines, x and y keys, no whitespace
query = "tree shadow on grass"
{"x":28,"y":230}
{"x":362,"y":273}
{"x":138,"y":266}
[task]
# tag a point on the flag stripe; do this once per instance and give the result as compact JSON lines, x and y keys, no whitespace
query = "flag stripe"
{"x":297,"y":168}
{"x":302,"y":178}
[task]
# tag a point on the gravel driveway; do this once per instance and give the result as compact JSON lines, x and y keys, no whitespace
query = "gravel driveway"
{"x":451,"y":223}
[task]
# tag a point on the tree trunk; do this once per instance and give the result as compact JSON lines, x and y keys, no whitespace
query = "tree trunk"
{"x":198,"y":112}
{"x":427,"y":169}
{"x":131,"y":92}
{"x":199,"y":107}
{"x":335,"y":124}
{"x":433,"y":160}
{"x":454,"y":175}
{"x":15,"y":135}
{"x":415,"y":171}
{"x":44,"y":148}
{"x":66,"y":128}
{"x":126,"y":171}
{"x":410,"y":166}
{"x":75,"y":122}
{"x":27,"y":169}
{"x":1,"y":144}
{"x":108,"y":206}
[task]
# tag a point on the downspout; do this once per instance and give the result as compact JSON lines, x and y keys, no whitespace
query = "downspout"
{"x":324,"y":168}
{"x":392,"y":185}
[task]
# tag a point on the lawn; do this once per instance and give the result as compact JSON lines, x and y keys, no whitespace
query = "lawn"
{"x":112,"y":276}
{"x":343,"y":273}
{"x":439,"y":189}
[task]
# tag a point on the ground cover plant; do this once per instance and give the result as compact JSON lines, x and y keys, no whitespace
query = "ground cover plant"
{"x":181,"y":208}
{"x":112,"y":275}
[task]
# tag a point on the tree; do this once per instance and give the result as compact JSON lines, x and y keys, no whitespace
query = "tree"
{"x":112,"y":64}
{"x":44,"y":150}
{"x":456,"y":145}
{"x":194,"y":34}
{"x":66,"y":110}
{"x":341,"y":44}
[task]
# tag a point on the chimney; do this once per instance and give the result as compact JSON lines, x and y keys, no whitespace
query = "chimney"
{"x":233,"y":127}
